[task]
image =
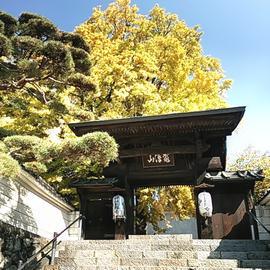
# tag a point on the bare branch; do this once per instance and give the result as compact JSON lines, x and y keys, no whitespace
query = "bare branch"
{"x":57,"y":81}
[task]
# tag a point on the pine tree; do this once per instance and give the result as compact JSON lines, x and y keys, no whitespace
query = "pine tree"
{"x":39,"y":67}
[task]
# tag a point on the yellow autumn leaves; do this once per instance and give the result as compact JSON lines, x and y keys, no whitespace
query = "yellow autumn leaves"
{"x":151,"y":64}
{"x":155,"y":203}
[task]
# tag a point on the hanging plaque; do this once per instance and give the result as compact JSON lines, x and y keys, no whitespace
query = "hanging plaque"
{"x":158,"y":160}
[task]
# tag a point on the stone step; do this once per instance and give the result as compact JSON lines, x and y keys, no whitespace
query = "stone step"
{"x":222,"y":244}
{"x":141,"y":268}
{"x":254,"y":255}
{"x":229,"y":242}
{"x":165,"y":241}
{"x":130,"y":262}
{"x":265,"y":264}
{"x":128,"y":242}
{"x":168,"y":264}
{"x":139,"y":247}
{"x":183,"y":246}
{"x":161,"y":237}
{"x":163,"y":252}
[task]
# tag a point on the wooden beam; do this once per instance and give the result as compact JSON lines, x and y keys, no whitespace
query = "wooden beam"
{"x":159,"y":182}
{"x":143,"y":139}
{"x":183,"y":149}
{"x":199,"y":151}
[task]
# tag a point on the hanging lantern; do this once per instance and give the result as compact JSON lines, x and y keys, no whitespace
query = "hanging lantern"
{"x":155,"y":196}
{"x":119,"y":208}
{"x":205,"y":204}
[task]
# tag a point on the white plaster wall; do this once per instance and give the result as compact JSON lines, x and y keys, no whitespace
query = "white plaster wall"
{"x":188,"y":226}
{"x":263,"y":214}
{"x":25,"y":208}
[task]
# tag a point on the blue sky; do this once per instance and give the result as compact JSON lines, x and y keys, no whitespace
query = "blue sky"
{"x":235,"y":31}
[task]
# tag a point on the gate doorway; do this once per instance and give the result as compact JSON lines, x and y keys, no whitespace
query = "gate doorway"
{"x":175,"y":149}
{"x":167,"y":209}
{"x":99,"y":223}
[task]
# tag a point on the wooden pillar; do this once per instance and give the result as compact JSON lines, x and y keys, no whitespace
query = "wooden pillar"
{"x":129,"y":207}
{"x":134,"y":202}
{"x":83,"y":212}
{"x":197,"y":213}
{"x":120,"y":232}
{"x":198,"y":142}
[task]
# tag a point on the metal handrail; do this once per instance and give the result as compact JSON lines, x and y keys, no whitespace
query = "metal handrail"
{"x":256,"y":219}
{"x":45,"y":255}
{"x":53,"y":241}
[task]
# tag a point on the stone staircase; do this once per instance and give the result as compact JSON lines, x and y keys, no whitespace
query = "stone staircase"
{"x":163,"y":252}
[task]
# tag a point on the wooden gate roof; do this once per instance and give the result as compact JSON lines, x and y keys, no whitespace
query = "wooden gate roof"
{"x":219,"y":120}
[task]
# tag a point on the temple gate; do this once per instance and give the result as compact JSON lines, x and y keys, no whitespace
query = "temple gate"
{"x":172,"y":149}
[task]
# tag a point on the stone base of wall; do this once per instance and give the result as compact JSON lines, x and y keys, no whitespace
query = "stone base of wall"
{"x":263,"y":214}
{"x":17,"y":244}
{"x":51,"y":267}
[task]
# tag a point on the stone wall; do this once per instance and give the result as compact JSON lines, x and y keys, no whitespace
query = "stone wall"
{"x":17,"y":244}
{"x":263,"y":214}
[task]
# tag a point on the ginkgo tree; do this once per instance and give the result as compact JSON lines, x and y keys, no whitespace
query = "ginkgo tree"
{"x":155,"y":203}
{"x":149,"y":64}
{"x":145,"y":65}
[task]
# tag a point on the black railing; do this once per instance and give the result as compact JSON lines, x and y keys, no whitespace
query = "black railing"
{"x":53,"y":249}
{"x":258,"y":221}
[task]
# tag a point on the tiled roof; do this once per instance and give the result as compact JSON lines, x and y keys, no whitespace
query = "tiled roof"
{"x":229,"y":176}
{"x":94,"y":182}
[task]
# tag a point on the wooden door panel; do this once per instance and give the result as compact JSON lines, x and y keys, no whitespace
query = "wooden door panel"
{"x":99,"y":223}
{"x":230,"y":219}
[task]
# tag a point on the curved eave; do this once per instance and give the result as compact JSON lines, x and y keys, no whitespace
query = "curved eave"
{"x":233,"y":176}
{"x":224,"y":120}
